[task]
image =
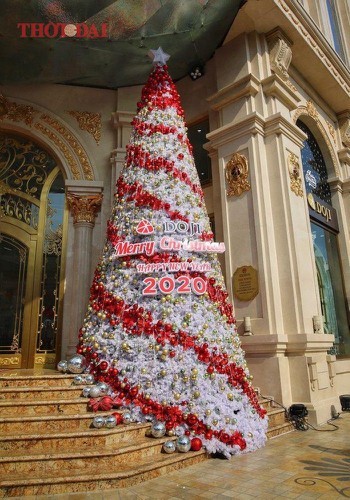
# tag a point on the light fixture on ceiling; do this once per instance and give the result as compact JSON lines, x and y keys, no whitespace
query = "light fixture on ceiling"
{"x":196,"y":72}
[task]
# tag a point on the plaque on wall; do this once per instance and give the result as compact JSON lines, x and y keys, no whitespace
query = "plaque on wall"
{"x":245,"y":283}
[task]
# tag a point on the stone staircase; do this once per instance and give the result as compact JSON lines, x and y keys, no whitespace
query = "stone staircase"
{"x":48,"y":446}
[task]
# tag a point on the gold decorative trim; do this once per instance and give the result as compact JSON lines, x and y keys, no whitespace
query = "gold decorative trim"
{"x":90,"y":122}
{"x":10,"y":361}
{"x":295,"y":174}
{"x":16,"y":112}
{"x":84,"y":208}
{"x":78,"y":149}
{"x":236,"y":173}
{"x":27,"y":114}
{"x":73,"y":165}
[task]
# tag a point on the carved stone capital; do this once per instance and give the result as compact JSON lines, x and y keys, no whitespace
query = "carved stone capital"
{"x":236,"y":173}
{"x":295,"y":174}
{"x":84,"y":207}
{"x":280,"y":52}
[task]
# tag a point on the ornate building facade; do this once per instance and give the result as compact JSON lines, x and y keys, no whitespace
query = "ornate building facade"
{"x":272,"y":112}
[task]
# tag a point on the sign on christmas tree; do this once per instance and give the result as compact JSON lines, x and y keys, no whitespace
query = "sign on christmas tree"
{"x":159,"y":328}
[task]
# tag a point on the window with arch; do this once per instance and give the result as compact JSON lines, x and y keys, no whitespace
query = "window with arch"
{"x":324,"y":230}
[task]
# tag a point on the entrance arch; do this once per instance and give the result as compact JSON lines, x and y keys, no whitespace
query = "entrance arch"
{"x":32,"y":241}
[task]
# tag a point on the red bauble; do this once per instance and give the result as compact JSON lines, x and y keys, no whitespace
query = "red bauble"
{"x":118,"y":417}
{"x":196,"y":444}
{"x":103,"y":366}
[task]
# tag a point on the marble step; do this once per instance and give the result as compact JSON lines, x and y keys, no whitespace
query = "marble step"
{"x":49,"y":423}
{"x":33,"y":407}
{"x":54,"y":379}
{"x":59,"y":442}
{"x":278,"y":430}
{"x":102,"y":480}
{"x":82,"y":461}
{"x":41,"y":393}
{"x":276,"y":417}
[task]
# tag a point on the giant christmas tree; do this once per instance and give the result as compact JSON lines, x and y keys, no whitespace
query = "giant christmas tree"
{"x":159,"y":328}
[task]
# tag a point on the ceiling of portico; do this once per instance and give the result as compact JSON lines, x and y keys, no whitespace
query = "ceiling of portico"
{"x":189,"y":30}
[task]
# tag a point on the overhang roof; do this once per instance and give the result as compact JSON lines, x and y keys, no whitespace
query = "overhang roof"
{"x":189,"y":30}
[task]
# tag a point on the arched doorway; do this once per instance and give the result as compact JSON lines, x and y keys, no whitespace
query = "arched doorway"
{"x":324,"y":229}
{"x":32,"y":241}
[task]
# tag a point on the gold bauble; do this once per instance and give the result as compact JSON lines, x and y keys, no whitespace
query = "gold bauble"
{"x":230,"y":396}
{"x":194,"y":371}
{"x":196,"y":394}
{"x":163,"y":373}
{"x":208,"y":412}
{"x":177,"y":396}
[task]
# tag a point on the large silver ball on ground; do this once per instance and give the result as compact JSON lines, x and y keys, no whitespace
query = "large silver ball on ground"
{"x":183,"y":444}
{"x":62,"y":366}
{"x":158,"y":429}
{"x":78,"y":379}
{"x":89,"y":379}
{"x":76,"y":364}
{"x":110,"y":422}
{"x":127,"y":418}
{"x":94,"y":391}
{"x":98,"y":422}
{"x":104,"y":388}
{"x":169,"y":447}
{"x":86,"y":392}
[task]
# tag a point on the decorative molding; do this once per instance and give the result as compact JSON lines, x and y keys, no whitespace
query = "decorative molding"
{"x":72,"y":141}
{"x":310,"y":110}
{"x":73,"y":165}
{"x":276,"y":87}
{"x":236,"y":173}
{"x":10,"y":361}
{"x":88,"y":121}
{"x":331,"y":131}
{"x":305,"y":30}
{"x":295,"y":174}
{"x":344,"y":125}
{"x":16,"y":112}
{"x":12,"y":111}
{"x":84,"y":208}
{"x":248,"y":86}
{"x":280,"y":52}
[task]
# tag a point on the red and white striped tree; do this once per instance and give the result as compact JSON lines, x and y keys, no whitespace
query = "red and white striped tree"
{"x":159,"y":327}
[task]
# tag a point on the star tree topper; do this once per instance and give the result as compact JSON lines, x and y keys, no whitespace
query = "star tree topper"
{"x":159,"y":56}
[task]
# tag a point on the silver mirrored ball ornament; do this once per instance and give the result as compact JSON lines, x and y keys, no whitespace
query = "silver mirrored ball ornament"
{"x":98,"y":422}
{"x":110,"y":422}
{"x":89,"y":379}
{"x":76,"y":364}
{"x":94,"y":391}
{"x":158,"y":429}
{"x":169,"y":446}
{"x":62,"y":366}
{"x":183,"y":444}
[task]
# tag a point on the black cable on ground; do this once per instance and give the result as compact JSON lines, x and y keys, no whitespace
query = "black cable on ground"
{"x":300,"y":422}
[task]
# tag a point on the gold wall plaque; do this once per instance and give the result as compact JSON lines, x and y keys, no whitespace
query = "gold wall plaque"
{"x":236,"y":173}
{"x":245,"y":283}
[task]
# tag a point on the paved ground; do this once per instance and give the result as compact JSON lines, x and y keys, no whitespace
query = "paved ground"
{"x":302,"y":464}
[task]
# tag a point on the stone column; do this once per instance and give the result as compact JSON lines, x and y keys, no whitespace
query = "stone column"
{"x":84,"y":202}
